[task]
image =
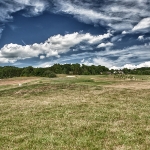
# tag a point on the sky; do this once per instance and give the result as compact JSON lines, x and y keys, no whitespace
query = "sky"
{"x":40,"y":33}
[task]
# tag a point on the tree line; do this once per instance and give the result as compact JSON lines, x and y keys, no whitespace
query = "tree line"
{"x":71,"y":69}
{"x":138,"y":71}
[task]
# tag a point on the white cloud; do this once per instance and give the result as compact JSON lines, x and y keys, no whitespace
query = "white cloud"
{"x":132,"y":66}
{"x":87,"y":62}
{"x":124,"y":32}
{"x":102,"y":61}
{"x":54,"y":46}
{"x":105,"y":45}
{"x":57,"y":45}
{"x":132,"y":55}
{"x":143,"y":24}
{"x":141,"y":38}
{"x":118,"y":15}
{"x":97,"y":61}
{"x":35,"y":7}
{"x":124,"y":16}
{"x":121,"y":26}
{"x":84,"y":14}
{"x":13,"y":52}
{"x":42,"y":57}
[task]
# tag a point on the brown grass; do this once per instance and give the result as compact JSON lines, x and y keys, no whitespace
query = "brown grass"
{"x":14,"y":81}
{"x":63,"y":114}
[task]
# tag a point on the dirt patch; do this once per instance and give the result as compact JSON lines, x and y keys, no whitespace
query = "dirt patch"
{"x":70,"y":76}
{"x":18,"y":81}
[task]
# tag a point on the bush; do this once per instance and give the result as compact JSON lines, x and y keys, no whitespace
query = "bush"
{"x":52,"y":75}
{"x":49,"y":74}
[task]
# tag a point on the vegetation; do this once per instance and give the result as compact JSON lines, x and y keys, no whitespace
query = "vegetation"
{"x":72,"y":69}
{"x":75,"y":69}
{"x":138,"y":71}
{"x":84,"y":112}
{"x":142,"y":71}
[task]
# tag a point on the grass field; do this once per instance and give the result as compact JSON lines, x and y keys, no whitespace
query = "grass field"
{"x":80,"y":113}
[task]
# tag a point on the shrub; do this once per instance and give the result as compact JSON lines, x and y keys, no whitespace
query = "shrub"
{"x":49,"y":74}
{"x":52,"y":75}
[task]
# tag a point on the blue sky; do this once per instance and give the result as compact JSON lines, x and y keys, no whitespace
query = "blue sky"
{"x":40,"y":33}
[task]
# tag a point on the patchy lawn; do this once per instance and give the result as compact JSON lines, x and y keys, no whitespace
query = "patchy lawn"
{"x":86,"y":112}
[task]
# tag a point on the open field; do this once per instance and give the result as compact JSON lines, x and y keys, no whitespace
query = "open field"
{"x":75,"y":113}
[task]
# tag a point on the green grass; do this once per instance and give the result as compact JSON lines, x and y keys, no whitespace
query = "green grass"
{"x":77,"y":113}
{"x":5,"y":87}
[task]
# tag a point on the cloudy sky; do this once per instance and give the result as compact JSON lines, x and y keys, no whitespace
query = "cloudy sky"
{"x":113,"y":33}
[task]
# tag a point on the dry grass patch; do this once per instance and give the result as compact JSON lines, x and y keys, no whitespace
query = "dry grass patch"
{"x":17,"y":80}
{"x":66,"y":115}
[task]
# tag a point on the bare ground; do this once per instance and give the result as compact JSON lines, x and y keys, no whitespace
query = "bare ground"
{"x":14,"y":81}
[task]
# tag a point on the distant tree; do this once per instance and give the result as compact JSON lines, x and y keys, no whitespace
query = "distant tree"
{"x":76,"y":69}
{"x":39,"y":71}
{"x":28,"y":71}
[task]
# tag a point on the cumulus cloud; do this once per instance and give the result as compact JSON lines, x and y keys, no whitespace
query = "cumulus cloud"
{"x":12,"y":52}
{"x":133,"y":57}
{"x":57,"y":45}
{"x":119,"y":17}
{"x":54,"y":46}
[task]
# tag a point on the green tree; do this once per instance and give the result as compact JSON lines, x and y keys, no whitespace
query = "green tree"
{"x":49,"y":74}
{"x":28,"y":71}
